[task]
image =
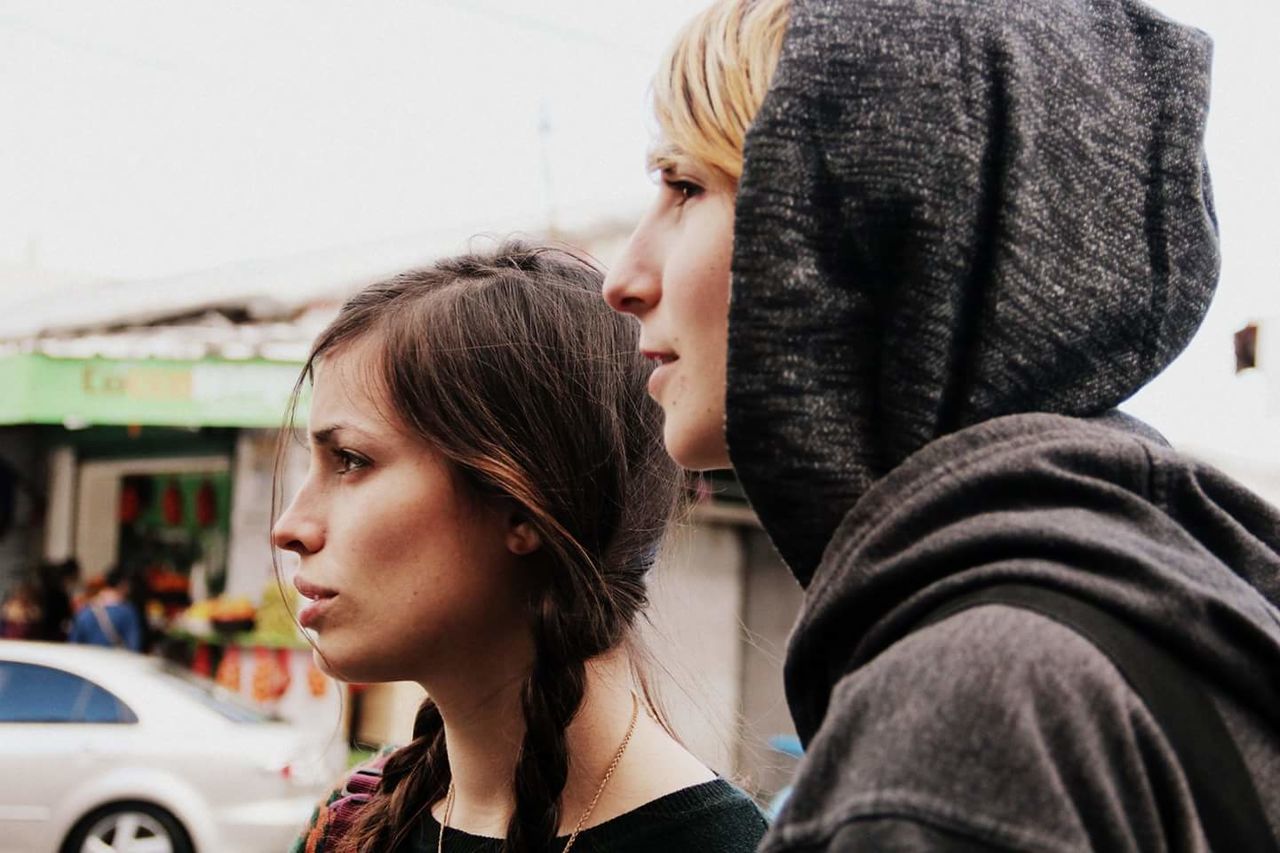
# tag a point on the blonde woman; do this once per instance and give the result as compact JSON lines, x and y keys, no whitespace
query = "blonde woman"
{"x":959,"y":235}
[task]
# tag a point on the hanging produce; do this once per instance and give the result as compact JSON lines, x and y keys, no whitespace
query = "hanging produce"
{"x":317,"y":681}
{"x":228,"y":674}
{"x":206,"y":504}
{"x":130,"y":502}
{"x":270,"y":675}
{"x":171,"y":504}
{"x":202,"y":663}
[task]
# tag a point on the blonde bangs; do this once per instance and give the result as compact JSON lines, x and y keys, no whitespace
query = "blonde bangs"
{"x":713,"y":80}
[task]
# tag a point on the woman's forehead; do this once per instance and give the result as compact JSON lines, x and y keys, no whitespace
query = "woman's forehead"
{"x":349,"y":381}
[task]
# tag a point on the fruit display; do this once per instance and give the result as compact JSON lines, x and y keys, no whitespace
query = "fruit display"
{"x":271,"y":676}
{"x":228,"y":674}
{"x":232,"y":615}
{"x":317,"y":681}
{"x":169,"y":588}
{"x":272,"y":623}
{"x":275,"y":618}
{"x":197,"y":619}
{"x":163,"y":581}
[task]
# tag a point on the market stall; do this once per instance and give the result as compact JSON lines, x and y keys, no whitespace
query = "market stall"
{"x":165,"y":467}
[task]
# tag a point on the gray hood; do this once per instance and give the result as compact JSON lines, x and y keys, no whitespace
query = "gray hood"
{"x":954,"y":210}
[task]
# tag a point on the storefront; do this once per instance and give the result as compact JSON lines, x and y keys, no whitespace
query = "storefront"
{"x":165,"y":468}
{"x":139,"y":455}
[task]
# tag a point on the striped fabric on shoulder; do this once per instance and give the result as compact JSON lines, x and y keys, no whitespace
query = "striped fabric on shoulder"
{"x":336,"y":814}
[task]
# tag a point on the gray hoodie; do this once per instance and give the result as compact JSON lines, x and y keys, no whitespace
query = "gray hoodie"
{"x":966,"y":231}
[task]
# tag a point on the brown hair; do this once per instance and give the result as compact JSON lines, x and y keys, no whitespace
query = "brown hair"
{"x":512,"y":367}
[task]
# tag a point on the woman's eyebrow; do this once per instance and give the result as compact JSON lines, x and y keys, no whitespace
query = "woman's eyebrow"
{"x":333,"y":434}
{"x":657,"y":163}
{"x":663,"y":159}
{"x":327,"y":436}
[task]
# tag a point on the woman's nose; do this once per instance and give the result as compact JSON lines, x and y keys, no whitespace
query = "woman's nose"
{"x":294,"y":531}
{"x":634,"y":285}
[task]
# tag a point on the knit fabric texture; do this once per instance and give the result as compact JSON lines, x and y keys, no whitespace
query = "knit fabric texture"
{"x":953,"y":210}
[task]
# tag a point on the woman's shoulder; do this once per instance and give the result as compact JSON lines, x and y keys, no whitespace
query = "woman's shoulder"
{"x":336,"y":812}
{"x":709,"y":817}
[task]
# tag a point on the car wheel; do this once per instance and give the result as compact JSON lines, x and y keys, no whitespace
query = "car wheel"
{"x":128,"y":828}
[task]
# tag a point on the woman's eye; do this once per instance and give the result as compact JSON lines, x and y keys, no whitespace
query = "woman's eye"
{"x":348,"y":462}
{"x":682,"y":188}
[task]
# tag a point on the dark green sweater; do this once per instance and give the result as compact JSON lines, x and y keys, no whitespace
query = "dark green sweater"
{"x":714,"y":817}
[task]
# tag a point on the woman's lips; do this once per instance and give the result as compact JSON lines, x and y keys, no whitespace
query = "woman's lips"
{"x":311,"y":614}
{"x":660,"y":356}
{"x":320,"y":599}
{"x":666,"y":364}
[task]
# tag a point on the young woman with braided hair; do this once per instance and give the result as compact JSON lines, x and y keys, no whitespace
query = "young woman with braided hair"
{"x":486,"y":495}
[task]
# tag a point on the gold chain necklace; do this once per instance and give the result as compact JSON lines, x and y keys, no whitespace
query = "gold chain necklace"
{"x":586,"y":814}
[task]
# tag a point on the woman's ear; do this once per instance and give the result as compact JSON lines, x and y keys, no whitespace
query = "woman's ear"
{"x":522,"y":537}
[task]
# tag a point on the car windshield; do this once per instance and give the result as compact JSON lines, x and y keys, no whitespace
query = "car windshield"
{"x":214,"y":697}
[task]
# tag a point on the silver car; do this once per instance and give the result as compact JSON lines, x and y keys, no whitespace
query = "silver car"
{"x":104,"y":750}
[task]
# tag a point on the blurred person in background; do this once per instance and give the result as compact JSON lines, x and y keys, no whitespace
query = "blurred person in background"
{"x":109,"y":618}
{"x":20,"y":614}
{"x":57,"y":583}
{"x":486,"y":496}
{"x":960,"y":234}
{"x":138,"y":596}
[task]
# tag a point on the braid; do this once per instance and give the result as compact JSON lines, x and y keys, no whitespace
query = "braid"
{"x":414,"y":777}
{"x":550,"y":699}
{"x":510,"y":366}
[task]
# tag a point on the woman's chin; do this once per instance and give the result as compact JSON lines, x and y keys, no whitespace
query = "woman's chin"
{"x":697,"y":446}
{"x":335,"y":664}
{"x":322,"y":661}
{"x":356,"y":666}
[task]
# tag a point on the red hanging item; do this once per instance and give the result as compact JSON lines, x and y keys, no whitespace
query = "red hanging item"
{"x":284,"y":658}
{"x":171,"y":503}
{"x":317,"y":681}
{"x":130,"y":503}
{"x":203,"y":662}
{"x":228,"y":674}
{"x":270,"y":674}
{"x":206,"y":504}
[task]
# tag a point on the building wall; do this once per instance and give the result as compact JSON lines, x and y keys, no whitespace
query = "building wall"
{"x":771,"y":600}
{"x":249,"y":559}
{"x":723,"y":605}
{"x":695,"y":638}
{"x":387,"y":712}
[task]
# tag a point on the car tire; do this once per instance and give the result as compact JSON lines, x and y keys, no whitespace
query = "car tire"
{"x":115,"y":824}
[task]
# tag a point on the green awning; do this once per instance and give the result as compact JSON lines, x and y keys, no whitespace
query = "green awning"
{"x":38,"y":389}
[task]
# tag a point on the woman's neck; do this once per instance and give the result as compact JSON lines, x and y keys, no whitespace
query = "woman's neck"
{"x":484,"y":733}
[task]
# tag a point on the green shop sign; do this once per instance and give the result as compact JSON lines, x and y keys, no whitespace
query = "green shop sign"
{"x":38,"y":389}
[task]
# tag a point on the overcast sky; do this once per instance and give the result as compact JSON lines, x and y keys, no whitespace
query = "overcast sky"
{"x":150,"y":137}
{"x":1200,"y":402}
{"x":147,"y":137}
